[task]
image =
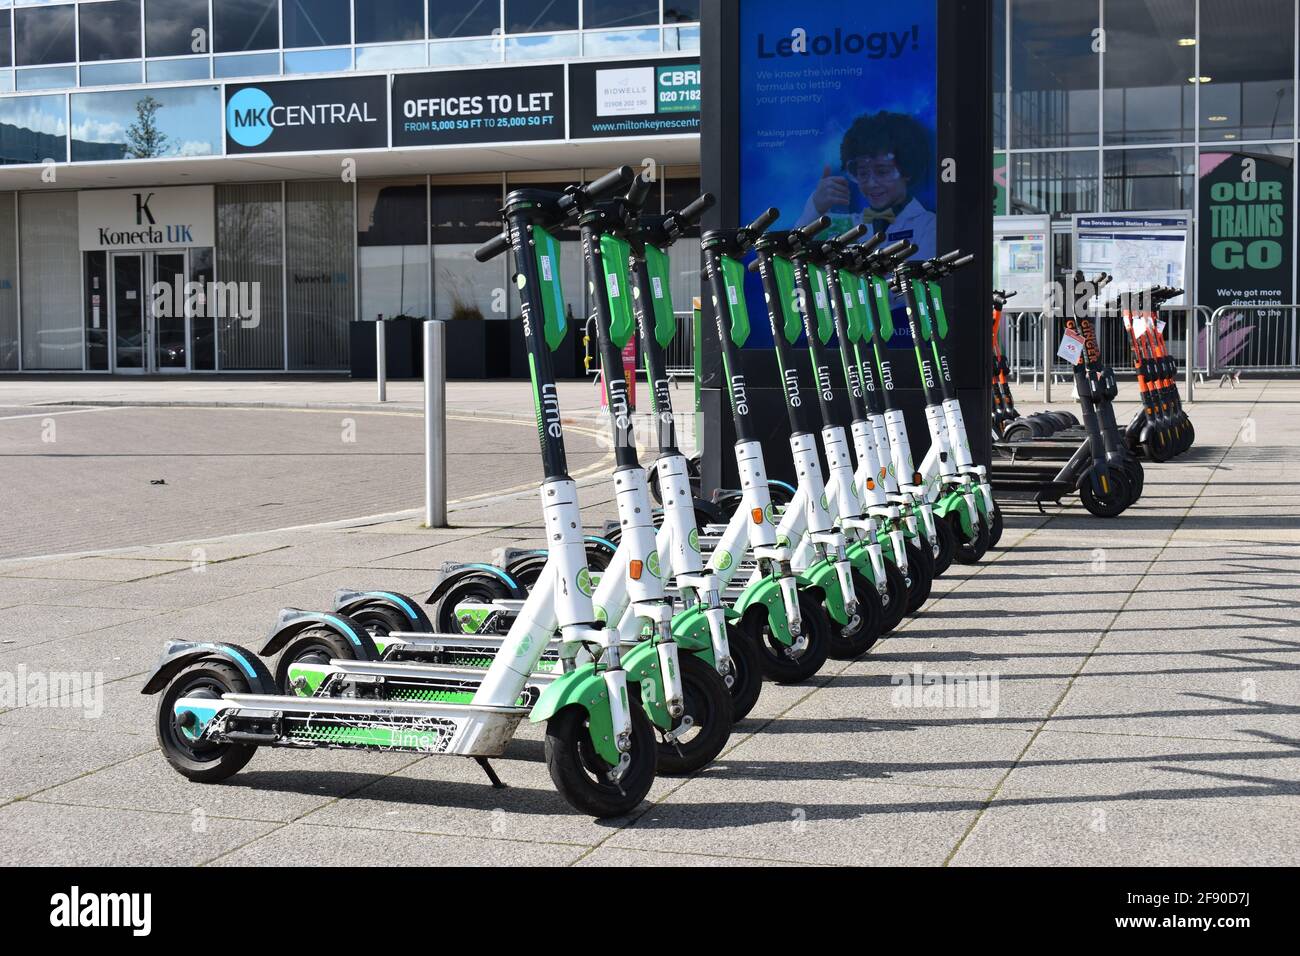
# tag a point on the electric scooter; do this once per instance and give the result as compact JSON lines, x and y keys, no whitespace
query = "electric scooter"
{"x":807,"y":525}
{"x":219,"y":702}
{"x":781,"y":611}
{"x":1008,"y":423}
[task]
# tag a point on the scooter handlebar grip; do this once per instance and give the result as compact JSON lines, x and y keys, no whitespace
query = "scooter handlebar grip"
{"x":874,"y":242}
{"x":814,"y":227}
{"x":764,"y":221}
{"x":611,"y":182}
{"x":852,"y":236}
{"x":963,"y":261}
{"x":493,"y":247}
{"x":948,"y":258}
{"x":639,"y":191}
{"x":892,"y":250}
{"x":695,"y":209}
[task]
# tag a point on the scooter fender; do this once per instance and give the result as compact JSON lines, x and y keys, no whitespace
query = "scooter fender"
{"x":180,"y":654}
{"x":824,"y":575}
{"x":293,"y":622}
{"x":641,"y":663}
{"x":450,"y":576}
{"x":347,"y":602}
{"x":955,"y":503}
{"x":691,"y":632}
{"x":766,"y":593}
{"x":585,"y":688}
{"x":861,"y":558}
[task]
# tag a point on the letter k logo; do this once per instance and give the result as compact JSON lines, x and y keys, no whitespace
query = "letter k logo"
{"x":142,"y":209}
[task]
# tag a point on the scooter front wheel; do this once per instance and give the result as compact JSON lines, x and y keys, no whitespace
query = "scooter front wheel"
{"x":920,"y":574}
{"x":1111,"y":500}
{"x":781,"y":663}
{"x":947,"y":546}
{"x":582,"y":776}
{"x":195,"y":759}
{"x":973,"y":550}
{"x":894,"y":605}
{"x":708,"y":703}
{"x":852,"y":640}
{"x":746,"y":674}
{"x":995,"y":526}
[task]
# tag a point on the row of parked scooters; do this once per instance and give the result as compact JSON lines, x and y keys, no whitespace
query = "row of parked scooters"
{"x":1052,"y":454}
{"x":641,"y":647}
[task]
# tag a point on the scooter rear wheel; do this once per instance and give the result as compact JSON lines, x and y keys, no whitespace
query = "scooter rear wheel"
{"x":316,"y":645}
{"x":198,"y":760}
{"x":381,"y":621}
{"x":580,"y":774}
{"x":708,"y":702}
{"x":483,"y":588}
{"x":779,"y":663}
{"x":852,"y":640}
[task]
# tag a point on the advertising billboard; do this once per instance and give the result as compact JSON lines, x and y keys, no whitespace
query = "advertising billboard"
{"x":653,"y":97}
{"x":302,"y":115}
{"x":479,"y":106}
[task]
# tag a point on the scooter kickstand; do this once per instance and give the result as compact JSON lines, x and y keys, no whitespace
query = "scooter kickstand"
{"x":492,"y":774}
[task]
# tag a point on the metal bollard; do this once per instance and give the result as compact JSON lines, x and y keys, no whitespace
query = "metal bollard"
{"x":435,"y":424}
{"x":381,"y":359}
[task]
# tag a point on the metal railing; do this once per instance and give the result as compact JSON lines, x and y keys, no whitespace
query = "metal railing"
{"x":680,"y":358}
{"x":1252,"y":338}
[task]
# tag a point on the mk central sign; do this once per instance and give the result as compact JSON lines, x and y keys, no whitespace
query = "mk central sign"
{"x":147,"y":218}
{"x":298,"y":115}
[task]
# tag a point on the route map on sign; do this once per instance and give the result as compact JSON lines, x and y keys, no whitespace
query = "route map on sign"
{"x":1137,"y":251}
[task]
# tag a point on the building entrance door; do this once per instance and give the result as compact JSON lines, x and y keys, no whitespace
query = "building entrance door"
{"x":130,"y":330}
{"x":150,"y":333}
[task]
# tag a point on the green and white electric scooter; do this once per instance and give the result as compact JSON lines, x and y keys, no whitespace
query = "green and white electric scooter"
{"x":783,"y":612}
{"x":219,"y":702}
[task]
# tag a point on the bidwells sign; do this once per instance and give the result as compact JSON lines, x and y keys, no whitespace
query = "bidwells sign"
{"x":146,"y":218}
{"x":634,"y":98}
{"x":301,"y":115}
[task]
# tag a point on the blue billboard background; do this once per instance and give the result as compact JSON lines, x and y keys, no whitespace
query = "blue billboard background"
{"x":832,"y":94}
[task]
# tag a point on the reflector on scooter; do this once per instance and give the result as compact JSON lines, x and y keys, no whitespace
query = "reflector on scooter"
{"x":757,"y":515}
{"x":634,"y":570}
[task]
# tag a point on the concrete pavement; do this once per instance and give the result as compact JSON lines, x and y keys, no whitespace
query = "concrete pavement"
{"x":1141,"y":700}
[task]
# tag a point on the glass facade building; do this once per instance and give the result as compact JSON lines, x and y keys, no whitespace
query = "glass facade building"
{"x":227,"y":185}
{"x":1105,"y":106}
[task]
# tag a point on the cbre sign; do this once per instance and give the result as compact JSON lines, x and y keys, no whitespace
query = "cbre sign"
{"x":307,"y":115}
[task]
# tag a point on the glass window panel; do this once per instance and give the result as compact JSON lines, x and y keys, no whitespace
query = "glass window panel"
{"x":450,"y":52}
{"x":249,"y":254}
{"x":6,"y":81}
{"x":251,"y":64}
{"x":110,"y":74}
{"x":555,"y":47}
{"x":6,"y":38}
{"x":1054,"y":73}
{"x":47,"y":78}
{"x":8,"y":284}
{"x":463,"y":18}
{"x":146,"y":124}
{"x":318,"y":61}
{"x":317,"y":22}
{"x":681,"y":11}
{"x":397,"y":56}
{"x":620,"y":42}
{"x":464,"y":216}
{"x":1136,"y":179}
{"x":541,"y":16}
{"x":1000,"y":74}
{"x":392,"y":232}
{"x":96,"y":312}
{"x":598,"y":14}
{"x":110,"y":31}
{"x":45,"y":35}
{"x":190,"y":68}
{"x":1150,"y":55}
{"x":245,"y":25}
{"x":321,"y":230}
{"x":682,"y":39}
{"x":384,"y":21}
{"x":175,"y":27}
{"x":203,"y":345}
{"x":1056,"y":183}
{"x":33,"y":129}
{"x":1247,"y":58}
{"x":51,"y":280}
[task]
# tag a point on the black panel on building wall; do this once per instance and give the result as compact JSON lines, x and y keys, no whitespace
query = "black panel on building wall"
{"x":964,"y":203}
{"x":491,"y":105}
{"x":307,"y":115}
{"x":649,"y":97}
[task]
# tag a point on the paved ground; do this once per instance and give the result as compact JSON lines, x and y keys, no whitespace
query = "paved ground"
{"x":1147,"y":702}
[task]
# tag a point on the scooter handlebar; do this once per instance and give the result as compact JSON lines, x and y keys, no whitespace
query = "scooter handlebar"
{"x":763,"y":222}
{"x":948,"y":258}
{"x":639,"y":192}
{"x":493,"y":247}
{"x":962,"y":261}
{"x":692,"y":212}
{"x":611,"y":182}
{"x":852,"y":236}
{"x":874,"y":242}
{"x":805,"y":233}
